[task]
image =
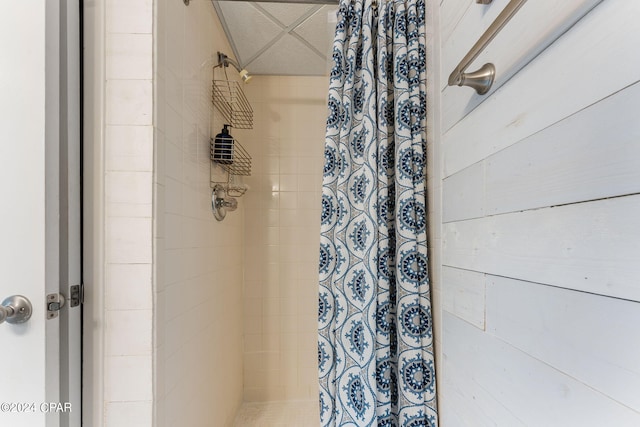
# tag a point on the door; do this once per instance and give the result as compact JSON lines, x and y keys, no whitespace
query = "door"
{"x":39,"y":214}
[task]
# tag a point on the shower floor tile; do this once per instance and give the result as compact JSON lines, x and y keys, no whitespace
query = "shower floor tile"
{"x":299,"y":413}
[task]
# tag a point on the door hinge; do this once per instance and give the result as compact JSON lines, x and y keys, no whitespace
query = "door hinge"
{"x":76,"y":295}
{"x":54,"y":303}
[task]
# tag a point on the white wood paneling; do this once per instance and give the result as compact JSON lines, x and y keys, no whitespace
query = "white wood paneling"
{"x":551,"y":17}
{"x":450,"y":14}
{"x":463,"y":294}
{"x":467,"y":403}
{"x":536,"y":393}
{"x":464,"y":194}
{"x":581,"y":158}
{"x":469,"y":27}
{"x":541,"y":220}
{"x":593,"y":339}
{"x":584,"y":157}
{"x":593,"y":247}
{"x":448,"y":412}
{"x":587,"y":64}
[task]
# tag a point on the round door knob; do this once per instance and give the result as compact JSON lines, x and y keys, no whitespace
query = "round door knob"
{"x":15,"y":309}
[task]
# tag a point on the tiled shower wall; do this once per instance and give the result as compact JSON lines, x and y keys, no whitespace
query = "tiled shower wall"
{"x":198,"y":260}
{"x":128,"y":163}
{"x":282,"y":226}
{"x":160,"y":230}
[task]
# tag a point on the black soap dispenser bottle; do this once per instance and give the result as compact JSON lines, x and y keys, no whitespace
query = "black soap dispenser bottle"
{"x":223,"y":147}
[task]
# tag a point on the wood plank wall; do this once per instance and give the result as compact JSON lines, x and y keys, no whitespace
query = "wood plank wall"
{"x":535,"y":202}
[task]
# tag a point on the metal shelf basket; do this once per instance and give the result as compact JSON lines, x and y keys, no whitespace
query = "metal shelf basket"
{"x":230,"y":100}
{"x":231,"y":156}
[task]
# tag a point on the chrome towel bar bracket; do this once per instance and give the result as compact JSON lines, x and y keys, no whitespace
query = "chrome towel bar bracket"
{"x":482,"y":79}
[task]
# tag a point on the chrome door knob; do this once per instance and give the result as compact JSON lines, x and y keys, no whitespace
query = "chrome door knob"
{"x":15,"y":309}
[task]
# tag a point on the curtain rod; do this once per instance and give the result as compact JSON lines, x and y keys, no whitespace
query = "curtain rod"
{"x":334,"y":2}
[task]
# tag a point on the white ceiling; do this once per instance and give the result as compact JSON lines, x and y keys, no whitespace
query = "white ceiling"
{"x":279,"y":38}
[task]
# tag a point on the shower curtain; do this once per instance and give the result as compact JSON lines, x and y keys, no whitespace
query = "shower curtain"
{"x":375,"y":345}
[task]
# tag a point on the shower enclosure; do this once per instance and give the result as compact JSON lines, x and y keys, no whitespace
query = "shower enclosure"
{"x":199,"y":315}
{"x":246,"y":331}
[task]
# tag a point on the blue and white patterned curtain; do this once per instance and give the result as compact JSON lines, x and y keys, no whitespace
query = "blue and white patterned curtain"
{"x":375,"y":348}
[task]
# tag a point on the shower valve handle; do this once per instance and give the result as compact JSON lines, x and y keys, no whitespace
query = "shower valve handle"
{"x":221,"y":204}
{"x":230,"y":203}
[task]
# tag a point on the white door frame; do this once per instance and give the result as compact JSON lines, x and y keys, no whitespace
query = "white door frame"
{"x":70,"y":212}
{"x":93,"y":208}
{"x":62,"y":202}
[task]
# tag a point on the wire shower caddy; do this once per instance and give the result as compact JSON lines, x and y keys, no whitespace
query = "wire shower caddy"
{"x":231,"y":156}
{"x":229,"y":98}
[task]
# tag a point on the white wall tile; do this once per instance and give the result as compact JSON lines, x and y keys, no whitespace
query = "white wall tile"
{"x":159,"y":161}
{"x":173,"y":196}
{"x":129,"y":379}
{"x":129,"y":210}
{"x":195,"y":255}
{"x":129,"y":16}
{"x":129,"y":56}
{"x":282,"y":223}
{"x":201,"y":259}
{"x":129,"y":161}
{"x":129,"y":148}
{"x":129,"y":187}
{"x":120,"y":414}
{"x":128,"y":287}
{"x":129,"y":102}
{"x":173,"y":28}
{"x":129,"y":241}
{"x":129,"y":332}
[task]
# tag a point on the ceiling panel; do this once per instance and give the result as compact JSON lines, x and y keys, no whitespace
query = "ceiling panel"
{"x":250,"y":29}
{"x":286,"y":13}
{"x":278,"y":38}
{"x":289,"y":56}
{"x":318,"y":31}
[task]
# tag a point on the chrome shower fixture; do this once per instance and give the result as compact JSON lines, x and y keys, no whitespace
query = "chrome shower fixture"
{"x":224,"y":61}
{"x":221,"y":203}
